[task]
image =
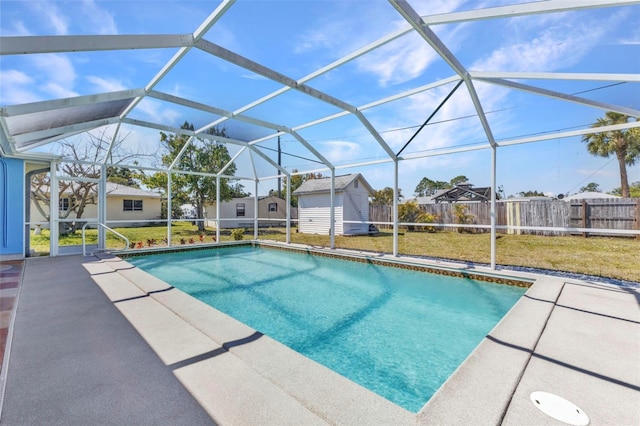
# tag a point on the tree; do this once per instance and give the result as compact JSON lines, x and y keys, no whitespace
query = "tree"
{"x":75,"y":194}
{"x":384,"y":197}
{"x":296,"y":182}
{"x":625,"y":144}
{"x":427,"y":187}
{"x":531,"y":193}
{"x":590,"y":187}
{"x":458,"y":180}
{"x":634,"y":190}
{"x":202,"y":155}
{"x":123,"y":176}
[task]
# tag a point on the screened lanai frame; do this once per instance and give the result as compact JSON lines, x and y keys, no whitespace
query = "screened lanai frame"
{"x":29,"y":126}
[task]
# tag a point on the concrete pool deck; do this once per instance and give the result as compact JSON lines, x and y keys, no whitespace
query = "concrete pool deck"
{"x":78,"y":357}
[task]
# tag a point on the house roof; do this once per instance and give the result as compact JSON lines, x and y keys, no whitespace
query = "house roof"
{"x":589,"y":195}
{"x":324,"y":184}
{"x":123,"y":190}
{"x":464,"y":193}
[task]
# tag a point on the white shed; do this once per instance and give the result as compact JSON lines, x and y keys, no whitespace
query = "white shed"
{"x":351,"y":205}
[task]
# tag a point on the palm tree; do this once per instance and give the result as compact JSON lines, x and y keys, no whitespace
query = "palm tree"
{"x":624,"y":143}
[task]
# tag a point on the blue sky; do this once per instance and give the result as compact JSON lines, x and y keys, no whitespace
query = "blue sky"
{"x":296,"y":38}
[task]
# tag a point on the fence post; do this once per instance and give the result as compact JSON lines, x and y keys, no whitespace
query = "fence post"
{"x":585,"y":206}
{"x":637,"y":226}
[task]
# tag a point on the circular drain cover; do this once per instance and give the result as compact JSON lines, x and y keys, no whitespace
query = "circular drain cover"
{"x":559,"y":408}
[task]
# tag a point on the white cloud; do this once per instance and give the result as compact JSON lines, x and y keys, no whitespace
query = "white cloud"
{"x":106,"y":85}
{"x":153,"y":110}
{"x":58,"y":91}
{"x":59,"y":72}
{"x":340,"y":151}
{"x":97,"y":19}
{"x":51,"y":74}
{"x":16,"y":88}
{"x":398,"y":61}
{"x":19,"y":29}
{"x":562,"y":43}
{"x":409,"y":56}
{"x":632,"y":39}
{"x":51,"y":15}
{"x":14,"y":77}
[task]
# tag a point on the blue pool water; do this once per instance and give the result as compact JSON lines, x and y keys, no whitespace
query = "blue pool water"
{"x":399,"y":333}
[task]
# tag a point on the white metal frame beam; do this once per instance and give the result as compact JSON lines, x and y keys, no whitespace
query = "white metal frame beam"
{"x":537,"y":7}
{"x":259,"y":69}
{"x":410,"y":15}
{"x":197,"y":35}
{"x":574,"y":76}
{"x":24,"y":45}
{"x":231,"y":115}
{"x":562,"y":96}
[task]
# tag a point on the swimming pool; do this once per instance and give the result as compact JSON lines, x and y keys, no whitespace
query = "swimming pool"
{"x":398,"y":332}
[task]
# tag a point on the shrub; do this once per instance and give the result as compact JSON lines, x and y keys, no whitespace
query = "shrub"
{"x":462,"y":217}
{"x":412,"y":213}
{"x":237,"y":234}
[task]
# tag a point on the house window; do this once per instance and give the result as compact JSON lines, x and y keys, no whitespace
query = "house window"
{"x":132,"y":205}
{"x":355,"y":184}
{"x":273,"y":207}
{"x":240,"y":210}
{"x":63,"y":204}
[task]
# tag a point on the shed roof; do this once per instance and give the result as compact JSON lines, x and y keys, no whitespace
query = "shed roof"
{"x":464,"y":193}
{"x":324,"y":184}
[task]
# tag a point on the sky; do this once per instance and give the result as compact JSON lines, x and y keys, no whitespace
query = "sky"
{"x":295,"y":38}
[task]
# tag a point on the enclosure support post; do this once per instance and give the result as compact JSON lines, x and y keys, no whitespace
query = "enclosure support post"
{"x":395,"y":207}
{"x":332,"y":214}
{"x":54,"y":213}
{"x":637,"y":211}
{"x":255,"y":211}
{"x":217,"y":209}
{"x":288,"y":196}
{"x":169,"y":208}
{"x":494,"y":151}
{"x":102,"y":208}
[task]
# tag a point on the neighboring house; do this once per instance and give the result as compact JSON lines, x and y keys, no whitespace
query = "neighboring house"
{"x":125,"y":203}
{"x":239,"y":212}
{"x":351,"y":204}
{"x":126,"y":207}
{"x":589,"y":196}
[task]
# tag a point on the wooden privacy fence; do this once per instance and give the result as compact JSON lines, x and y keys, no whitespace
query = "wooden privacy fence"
{"x":606,"y":213}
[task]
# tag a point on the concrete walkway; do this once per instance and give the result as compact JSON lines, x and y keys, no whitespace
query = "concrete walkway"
{"x":75,"y":360}
{"x":97,"y":341}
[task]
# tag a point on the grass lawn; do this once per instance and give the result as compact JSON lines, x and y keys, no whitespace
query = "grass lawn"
{"x":600,"y":256}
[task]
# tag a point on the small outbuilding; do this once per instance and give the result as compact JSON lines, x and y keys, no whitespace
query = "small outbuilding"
{"x":351,"y":204}
{"x":240,"y":212}
{"x":464,"y":193}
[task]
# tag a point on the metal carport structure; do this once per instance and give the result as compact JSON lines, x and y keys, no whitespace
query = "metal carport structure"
{"x":28,"y":127}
